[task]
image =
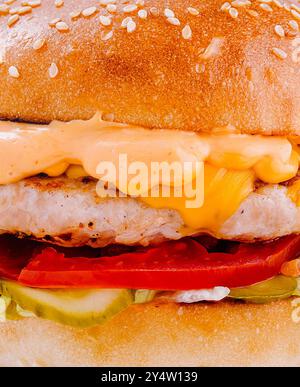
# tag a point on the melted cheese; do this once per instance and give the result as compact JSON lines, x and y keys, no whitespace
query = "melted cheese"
{"x":224,"y":190}
{"x":76,"y":172}
{"x":232,"y":161}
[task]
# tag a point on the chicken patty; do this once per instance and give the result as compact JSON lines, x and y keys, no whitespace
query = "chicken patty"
{"x":69,"y":213}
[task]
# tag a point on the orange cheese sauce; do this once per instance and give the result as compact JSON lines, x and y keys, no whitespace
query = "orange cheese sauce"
{"x":232,"y":161}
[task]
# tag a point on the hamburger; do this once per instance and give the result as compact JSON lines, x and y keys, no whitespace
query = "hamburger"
{"x":97,"y":270}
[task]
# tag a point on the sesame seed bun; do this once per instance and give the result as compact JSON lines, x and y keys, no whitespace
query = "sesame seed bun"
{"x":222,"y":334}
{"x":198,"y":65}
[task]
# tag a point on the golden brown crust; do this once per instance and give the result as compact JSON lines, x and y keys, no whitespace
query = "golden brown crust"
{"x":222,"y":334}
{"x":153,"y":76}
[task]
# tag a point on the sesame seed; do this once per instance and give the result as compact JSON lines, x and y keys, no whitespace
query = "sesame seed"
{"x":294,"y":25}
{"x":58,"y":3}
{"x":225,"y":7}
{"x":9,"y":1}
{"x":295,"y":14}
{"x":89,"y":11}
{"x":125,"y":21}
{"x":187,"y":32}
{"x":130,"y":8}
{"x":169,"y":13}
{"x":266,"y":7}
{"x":286,"y":7}
{"x":38,"y":44}
{"x":106,"y":35}
{"x":279,"y":53}
{"x":234,"y":13}
{"x":142,"y":13}
{"x":105,"y":2}
{"x":4,"y":9}
{"x":295,"y":7}
{"x":174,"y":21}
{"x":291,"y":33}
{"x":193,"y":11}
{"x":53,"y":70}
{"x":13,"y":72}
{"x":278,"y":3}
{"x":213,"y":49}
{"x":240,"y":3}
{"x":14,"y":11}
{"x":12,"y":20}
{"x":253,"y":13}
{"x":53,"y":22}
{"x":154,"y":11}
{"x":279,"y":31}
{"x":24,"y":10}
{"x":62,"y":26}
{"x":140,"y":3}
{"x":34,"y":3}
{"x":131,"y":26}
{"x":112,"y":8}
{"x":75,"y":14}
{"x":105,"y":20}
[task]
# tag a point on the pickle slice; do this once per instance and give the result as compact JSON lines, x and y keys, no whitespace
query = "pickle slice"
{"x":80,"y":308}
{"x":142,"y":296}
{"x":273,"y":289}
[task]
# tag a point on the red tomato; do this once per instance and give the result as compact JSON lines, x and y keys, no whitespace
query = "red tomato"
{"x":176,"y":265}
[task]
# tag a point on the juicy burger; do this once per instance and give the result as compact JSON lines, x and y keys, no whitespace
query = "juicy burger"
{"x":97,"y":270}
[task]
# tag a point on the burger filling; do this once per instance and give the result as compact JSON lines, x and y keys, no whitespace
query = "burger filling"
{"x":80,"y":242}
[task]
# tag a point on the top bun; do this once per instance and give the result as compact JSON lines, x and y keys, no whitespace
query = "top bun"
{"x":198,"y":65}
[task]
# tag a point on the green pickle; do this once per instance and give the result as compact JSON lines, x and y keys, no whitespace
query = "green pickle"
{"x":276,"y":288}
{"x":142,"y":296}
{"x":79,"y":308}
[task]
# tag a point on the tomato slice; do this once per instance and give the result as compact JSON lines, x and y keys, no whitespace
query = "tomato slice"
{"x":176,"y":265}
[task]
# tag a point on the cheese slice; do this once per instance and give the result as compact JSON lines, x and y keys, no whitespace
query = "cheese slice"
{"x":224,"y":191}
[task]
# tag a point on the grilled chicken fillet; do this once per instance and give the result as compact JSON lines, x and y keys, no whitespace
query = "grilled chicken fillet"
{"x":68,"y":212}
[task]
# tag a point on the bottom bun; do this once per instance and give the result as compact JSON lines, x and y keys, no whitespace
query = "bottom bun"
{"x":221,"y":334}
